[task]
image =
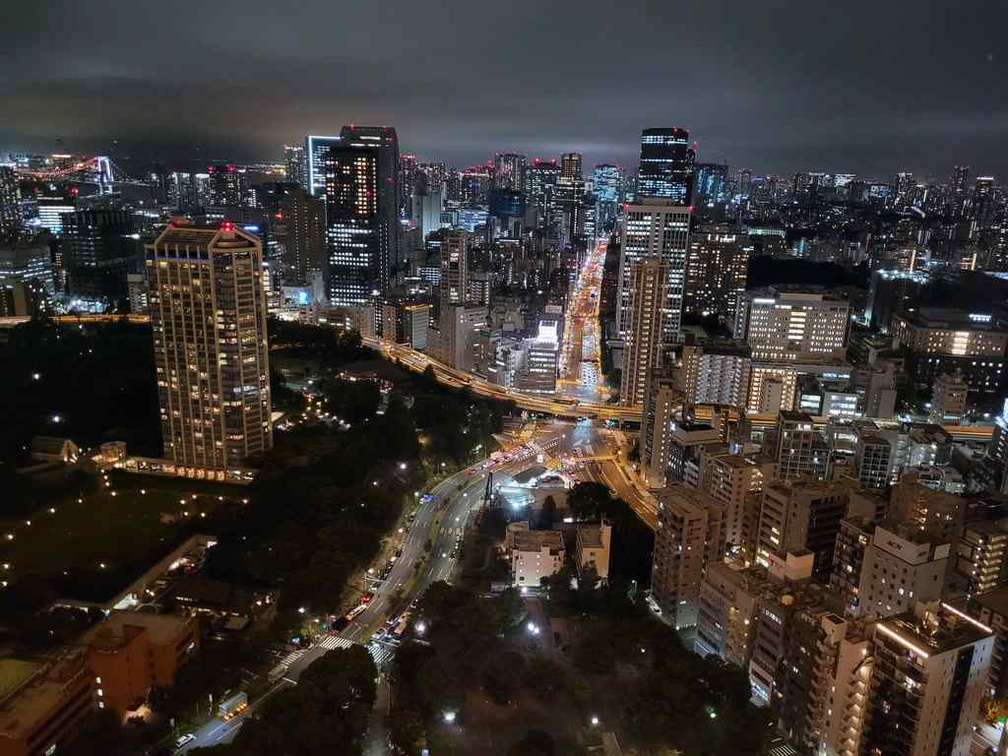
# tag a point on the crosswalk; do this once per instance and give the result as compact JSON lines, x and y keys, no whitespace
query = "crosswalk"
{"x":381,"y":653}
{"x":334,"y":641}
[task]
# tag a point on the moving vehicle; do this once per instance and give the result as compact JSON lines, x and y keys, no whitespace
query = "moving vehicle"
{"x":233,"y":706}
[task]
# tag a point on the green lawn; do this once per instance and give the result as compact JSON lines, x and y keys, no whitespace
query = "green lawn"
{"x":90,"y":546}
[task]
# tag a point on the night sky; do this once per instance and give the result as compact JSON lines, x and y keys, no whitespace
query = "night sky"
{"x":866,"y":87}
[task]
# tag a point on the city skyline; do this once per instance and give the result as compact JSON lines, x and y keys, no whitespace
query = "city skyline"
{"x":777,"y":93}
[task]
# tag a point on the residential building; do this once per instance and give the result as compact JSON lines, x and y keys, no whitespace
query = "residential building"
{"x":208,"y":320}
{"x":534,"y":555}
{"x":731,"y":479}
{"x":948,"y":400}
{"x":644,"y":335}
{"x":938,"y":512}
{"x":729,"y":601}
{"x":690,"y":536}
{"x":454,"y":284}
{"x":661,"y":403}
{"x":884,"y":568}
{"x":981,"y":561}
{"x":801,"y":448}
{"x":715,"y":372}
{"x":657,"y":230}
{"x":593,"y":547}
{"x":792,"y":326}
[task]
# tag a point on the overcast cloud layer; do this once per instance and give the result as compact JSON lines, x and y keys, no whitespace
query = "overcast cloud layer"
{"x":866,"y":87}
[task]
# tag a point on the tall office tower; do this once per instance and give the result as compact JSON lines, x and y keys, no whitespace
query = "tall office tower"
{"x":362,"y":212}
{"x":885,"y":568}
{"x":208,"y":318}
{"x":427,"y":205}
{"x":10,"y":204}
{"x":655,"y":229}
{"x":644,"y":336}
{"x":298,"y":225}
{"x":744,"y":182}
{"x":732,"y":480}
{"x":801,"y":448}
{"x":715,"y":372}
{"x":570,"y":166}
{"x":792,"y":326}
{"x":607,"y":181}
{"x":316,"y":151}
{"x":296,"y":165}
{"x":690,"y":536}
{"x":226,"y":186}
{"x":100,"y":248}
{"x":540,"y":189}
{"x":509,"y":171}
{"x":454,"y":285}
{"x":409,"y":175}
{"x":710,"y":183}
{"x":666,"y":165}
{"x":717,"y":266}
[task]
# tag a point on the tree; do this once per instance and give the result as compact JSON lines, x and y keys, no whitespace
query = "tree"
{"x":534,"y":743}
{"x":547,"y":515}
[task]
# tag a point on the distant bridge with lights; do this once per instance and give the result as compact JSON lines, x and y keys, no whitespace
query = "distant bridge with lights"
{"x":100,"y":171}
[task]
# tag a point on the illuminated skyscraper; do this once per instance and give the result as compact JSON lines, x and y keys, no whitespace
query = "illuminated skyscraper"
{"x":208,"y":319}
{"x":295,"y":165}
{"x":710,"y":182}
{"x":316,"y":150}
{"x":570,"y":166}
{"x":454,"y":268}
{"x":226,"y":186}
{"x":666,"y":165}
{"x":10,"y":210}
{"x":362,"y":212}
{"x":655,"y":229}
{"x":540,"y":188}
{"x":509,"y":171}
{"x":608,"y":186}
{"x":642,"y":350}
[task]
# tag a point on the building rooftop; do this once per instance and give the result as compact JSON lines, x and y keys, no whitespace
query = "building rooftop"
{"x":120,"y":627}
{"x":948,"y":317}
{"x":936,"y":632}
{"x":536,"y":540}
{"x":31,"y":694}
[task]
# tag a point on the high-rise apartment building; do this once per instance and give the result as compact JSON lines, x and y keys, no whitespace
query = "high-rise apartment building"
{"x":654,"y":229}
{"x":717,"y":266}
{"x":644,"y":335}
{"x":715,"y":372}
{"x":208,"y":319}
{"x":981,"y":562}
{"x":731,"y":480}
{"x":661,"y":400}
{"x":690,"y":536}
{"x":792,"y":326}
{"x":666,"y":165}
{"x":362,"y":212}
{"x":454,"y":285}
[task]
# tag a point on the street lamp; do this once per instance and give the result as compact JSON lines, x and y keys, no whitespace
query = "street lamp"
{"x":595,"y":720}
{"x":449,"y":717}
{"x":301,"y":610}
{"x":402,"y":465}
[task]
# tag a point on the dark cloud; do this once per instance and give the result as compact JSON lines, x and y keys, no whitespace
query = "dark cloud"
{"x":867,"y":87}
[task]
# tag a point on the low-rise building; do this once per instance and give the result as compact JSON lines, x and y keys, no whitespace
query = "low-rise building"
{"x":593,"y":544}
{"x":536,"y":554}
{"x":131,"y":652}
{"x":42,"y":706}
